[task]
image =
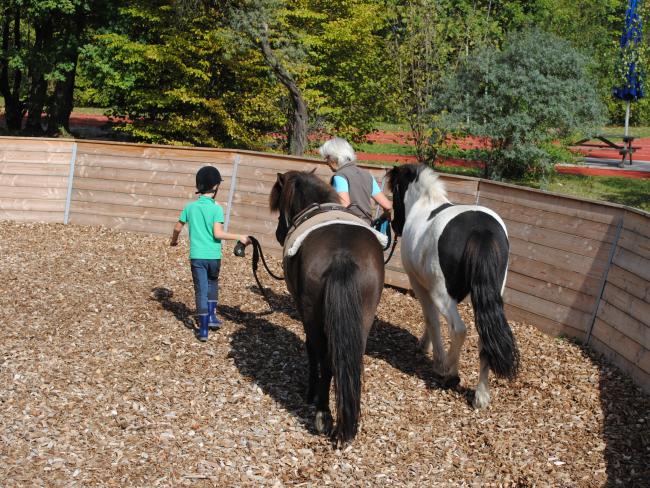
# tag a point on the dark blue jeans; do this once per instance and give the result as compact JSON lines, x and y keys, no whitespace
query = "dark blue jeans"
{"x":205,"y":274}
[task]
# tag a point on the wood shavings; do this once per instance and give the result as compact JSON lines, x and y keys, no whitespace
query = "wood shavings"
{"x":104,"y":383}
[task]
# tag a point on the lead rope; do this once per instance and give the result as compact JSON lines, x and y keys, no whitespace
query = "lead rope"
{"x":257,"y":253}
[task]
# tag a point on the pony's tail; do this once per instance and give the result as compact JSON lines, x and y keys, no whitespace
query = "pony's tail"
{"x":342,"y":323}
{"x":484,"y":270}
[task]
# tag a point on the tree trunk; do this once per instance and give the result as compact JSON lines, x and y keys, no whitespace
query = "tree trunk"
{"x":14,"y":107}
{"x":298,"y":136}
{"x":38,"y":84}
{"x":58,"y":121}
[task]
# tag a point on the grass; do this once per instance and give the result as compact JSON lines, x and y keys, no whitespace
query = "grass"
{"x":626,"y":191}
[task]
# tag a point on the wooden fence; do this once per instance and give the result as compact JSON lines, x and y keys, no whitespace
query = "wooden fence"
{"x":577,"y":267}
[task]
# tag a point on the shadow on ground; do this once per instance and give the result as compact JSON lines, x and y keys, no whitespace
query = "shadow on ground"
{"x":181,"y":312}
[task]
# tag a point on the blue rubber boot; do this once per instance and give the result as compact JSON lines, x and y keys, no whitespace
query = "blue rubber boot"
{"x":203,"y":328}
{"x":213,"y":321}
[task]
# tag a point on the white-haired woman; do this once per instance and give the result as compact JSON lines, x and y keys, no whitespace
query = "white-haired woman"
{"x":355,"y":185}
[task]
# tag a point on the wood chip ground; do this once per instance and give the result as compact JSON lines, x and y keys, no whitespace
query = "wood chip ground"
{"x":104,"y":384}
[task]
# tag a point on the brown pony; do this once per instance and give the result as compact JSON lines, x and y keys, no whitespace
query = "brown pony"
{"x":336,"y":279}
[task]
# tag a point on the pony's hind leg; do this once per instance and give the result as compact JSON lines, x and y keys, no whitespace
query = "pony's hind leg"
{"x":312,"y":357}
{"x":323,"y":421}
{"x":482,"y":394}
{"x":457,"y":331}
{"x":431,"y":340}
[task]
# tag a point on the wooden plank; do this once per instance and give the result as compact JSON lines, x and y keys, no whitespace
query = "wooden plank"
{"x":117,"y":161}
{"x":397,"y":279}
{"x":126,"y":199}
{"x":35,"y":157}
{"x":31,"y":181}
{"x":637,"y":222}
{"x":559,"y":240}
{"x":554,"y":275}
{"x":629,"y":282}
{"x":546,"y":325}
{"x":637,"y":375}
{"x":630,"y":305}
{"x":35,"y":169}
{"x":626,"y":325}
{"x":112,"y":210}
{"x":36,"y":144}
{"x":139,"y":176}
{"x":35,"y":205}
{"x":565,"y":259}
{"x":34,"y":193}
{"x":32,"y":216}
{"x":554,"y":311}
{"x":135,"y":188}
{"x":145,"y":152}
{"x":550,"y":220}
{"x":622,"y":345}
{"x":631,"y":262}
{"x":560,"y":204}
{"x":552,"y":293}
{"x":635,"y":243}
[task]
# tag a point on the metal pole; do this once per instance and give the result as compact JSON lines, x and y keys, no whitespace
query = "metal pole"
{"x":68,"y":197}
{"x":604,"y":280}
{"x":627,"y":117}
{"x":231,"y":193}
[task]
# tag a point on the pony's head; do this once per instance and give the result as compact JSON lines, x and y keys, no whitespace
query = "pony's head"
{"x":294,"y":191}
{"x":409,"y":183}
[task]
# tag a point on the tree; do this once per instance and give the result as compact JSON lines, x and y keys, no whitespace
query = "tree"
{"x":428,"y":38}
{"x":179,"y":79}
{"x":534,"y":91}
{"x":40,"y":48}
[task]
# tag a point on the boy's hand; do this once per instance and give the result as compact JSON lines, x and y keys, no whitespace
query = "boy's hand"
{"x":245,"y":240}
{"x":173,"y":242}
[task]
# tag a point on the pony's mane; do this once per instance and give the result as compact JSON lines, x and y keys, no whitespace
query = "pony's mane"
{"x":298,"y":190}
{"x":430,"y":185}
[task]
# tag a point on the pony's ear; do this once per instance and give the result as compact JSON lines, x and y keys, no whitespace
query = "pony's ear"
{"x":281,"y":178}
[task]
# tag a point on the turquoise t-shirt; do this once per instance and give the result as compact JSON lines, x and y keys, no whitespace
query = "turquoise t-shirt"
{"x":200,"y":215}
{"x":340,"y":184}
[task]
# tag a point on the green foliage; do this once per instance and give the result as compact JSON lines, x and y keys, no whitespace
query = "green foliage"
{"x":534,"y":91}
{"x":181,"y":81}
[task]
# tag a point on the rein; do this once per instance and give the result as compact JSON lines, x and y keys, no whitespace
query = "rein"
{"x":257,"y":254}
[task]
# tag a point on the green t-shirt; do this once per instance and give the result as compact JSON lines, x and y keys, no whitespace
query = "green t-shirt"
{"x":201,"y":215}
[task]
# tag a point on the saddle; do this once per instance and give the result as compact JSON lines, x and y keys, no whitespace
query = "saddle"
{"x":320,"y":215}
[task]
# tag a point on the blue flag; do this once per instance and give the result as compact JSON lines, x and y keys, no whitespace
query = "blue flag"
{"x":628,"y":70}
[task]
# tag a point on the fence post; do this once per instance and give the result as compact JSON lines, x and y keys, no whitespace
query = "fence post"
{"x":604,"y":280}
{"x":231,"y":193}
{"x":68,"y":197}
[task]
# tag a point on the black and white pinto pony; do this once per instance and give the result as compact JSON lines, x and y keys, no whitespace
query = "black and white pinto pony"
{"x":448,"y":252}
{"x":336,"y":279}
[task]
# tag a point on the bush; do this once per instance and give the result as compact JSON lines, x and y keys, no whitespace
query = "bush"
{"x":536,"y":90}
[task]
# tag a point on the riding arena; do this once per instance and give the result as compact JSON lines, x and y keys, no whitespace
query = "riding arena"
{"x":105,"y":384}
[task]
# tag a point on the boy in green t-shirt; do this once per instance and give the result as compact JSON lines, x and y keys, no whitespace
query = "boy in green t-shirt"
{"x":205,"y":219}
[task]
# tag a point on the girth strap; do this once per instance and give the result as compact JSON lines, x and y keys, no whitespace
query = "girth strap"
{"x":436,"y":211}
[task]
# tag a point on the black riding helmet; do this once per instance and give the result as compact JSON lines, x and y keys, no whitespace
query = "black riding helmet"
{"x":206,"y":179}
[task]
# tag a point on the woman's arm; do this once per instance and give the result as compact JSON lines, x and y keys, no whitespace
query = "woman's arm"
{"x":383,"y":202}
{"x":344,"y":196}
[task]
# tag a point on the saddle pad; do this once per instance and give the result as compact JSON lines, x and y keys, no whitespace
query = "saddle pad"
{"x":296,"y":236}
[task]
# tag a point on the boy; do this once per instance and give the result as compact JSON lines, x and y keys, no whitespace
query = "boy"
{"x":205,"y":219}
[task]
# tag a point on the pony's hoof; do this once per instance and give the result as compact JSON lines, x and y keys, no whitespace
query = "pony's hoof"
{"x":323,"y":422}
{"x":481,"y":400}
{"x":451,"y":382}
